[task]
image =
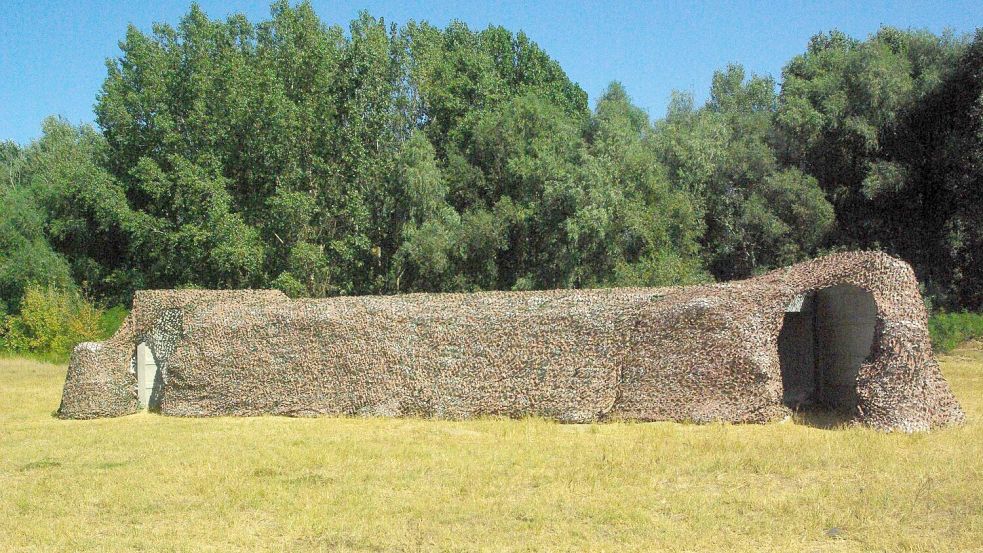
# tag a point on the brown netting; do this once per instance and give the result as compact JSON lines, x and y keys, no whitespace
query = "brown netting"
{"x":698,"y":353}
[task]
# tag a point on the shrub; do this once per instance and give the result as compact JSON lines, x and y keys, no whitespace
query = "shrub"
{"x":50,"y":322}
{"x":111,"y":320}
{"x":289,"y":285}
{"x":948,"y":330}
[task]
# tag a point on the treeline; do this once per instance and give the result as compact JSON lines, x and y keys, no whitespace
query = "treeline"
{"x":384,"y":159}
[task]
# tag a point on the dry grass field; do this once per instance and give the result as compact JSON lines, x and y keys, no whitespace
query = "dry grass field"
{"x":149,"y":483}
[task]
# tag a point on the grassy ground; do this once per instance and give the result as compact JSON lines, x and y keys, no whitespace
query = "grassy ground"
{"x":149,"y":483}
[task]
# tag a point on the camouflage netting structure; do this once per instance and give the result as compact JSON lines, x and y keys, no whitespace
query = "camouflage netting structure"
{"x":845,"y":332}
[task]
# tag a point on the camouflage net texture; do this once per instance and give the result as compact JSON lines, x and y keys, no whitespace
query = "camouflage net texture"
{"x":695,"y":353}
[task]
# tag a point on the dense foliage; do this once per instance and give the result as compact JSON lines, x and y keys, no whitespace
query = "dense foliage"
{"x":52,"y":320}
{"x":949,"y":330}
{"x":385,"y":159}
{"x":891,"y":129}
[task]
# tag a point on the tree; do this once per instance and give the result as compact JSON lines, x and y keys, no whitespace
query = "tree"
{"x":287,"y":152}
{"x":26,"y":257}
{"x":635,"y":227}
{"x":723,"y":155}
{"x":928,"y":183}
{"x":835,"y":100}
{"x":426,"y":226}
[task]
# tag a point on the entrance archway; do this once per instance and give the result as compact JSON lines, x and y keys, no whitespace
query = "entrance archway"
{"x":826,"y":336}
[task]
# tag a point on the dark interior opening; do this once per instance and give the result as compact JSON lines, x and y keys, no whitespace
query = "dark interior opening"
{"x":826,"y":335}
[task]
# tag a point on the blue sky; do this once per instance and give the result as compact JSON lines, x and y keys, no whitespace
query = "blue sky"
{"x":52,"y":54}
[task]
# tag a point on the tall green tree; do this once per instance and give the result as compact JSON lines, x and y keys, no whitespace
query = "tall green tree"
{"x":927,"y":182}
{"x":835,"y":100}
{"x":297,"y":154}
{"x":26,"y":257}
{"x":81,"y":210}
{"x":758,"y":214}
{"x":634,"y":226}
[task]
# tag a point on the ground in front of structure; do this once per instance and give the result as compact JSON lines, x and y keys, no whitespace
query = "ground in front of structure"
{"x":146,"y":482}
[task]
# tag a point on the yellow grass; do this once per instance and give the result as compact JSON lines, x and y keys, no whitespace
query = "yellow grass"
{"x":151,"y":483}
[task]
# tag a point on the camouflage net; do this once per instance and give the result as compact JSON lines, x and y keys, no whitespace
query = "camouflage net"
{"x":696,"y":353}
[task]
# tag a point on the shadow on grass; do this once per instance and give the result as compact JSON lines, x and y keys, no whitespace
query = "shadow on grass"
{"x":826,"y":419}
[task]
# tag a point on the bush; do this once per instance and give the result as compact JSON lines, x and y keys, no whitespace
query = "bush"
{"x":50,"y":323}
{"x":948,"y":330}
{"x":111,"y":320}
{"x":289,"y":285}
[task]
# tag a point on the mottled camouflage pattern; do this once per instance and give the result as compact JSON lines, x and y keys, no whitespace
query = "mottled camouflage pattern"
{"x":697,"y":353}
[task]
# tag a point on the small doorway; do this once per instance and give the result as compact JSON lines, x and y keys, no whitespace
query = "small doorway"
{"x":148,"y":381}
{"x":826,"y":336}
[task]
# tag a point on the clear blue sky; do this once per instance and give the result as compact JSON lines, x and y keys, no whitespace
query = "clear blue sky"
{"x":52,"y":54}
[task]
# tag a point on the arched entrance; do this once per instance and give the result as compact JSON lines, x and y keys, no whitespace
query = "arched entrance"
{"x":826,"y":335}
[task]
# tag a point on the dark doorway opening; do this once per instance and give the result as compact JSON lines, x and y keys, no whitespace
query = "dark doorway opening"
{"x":826,"y":335}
